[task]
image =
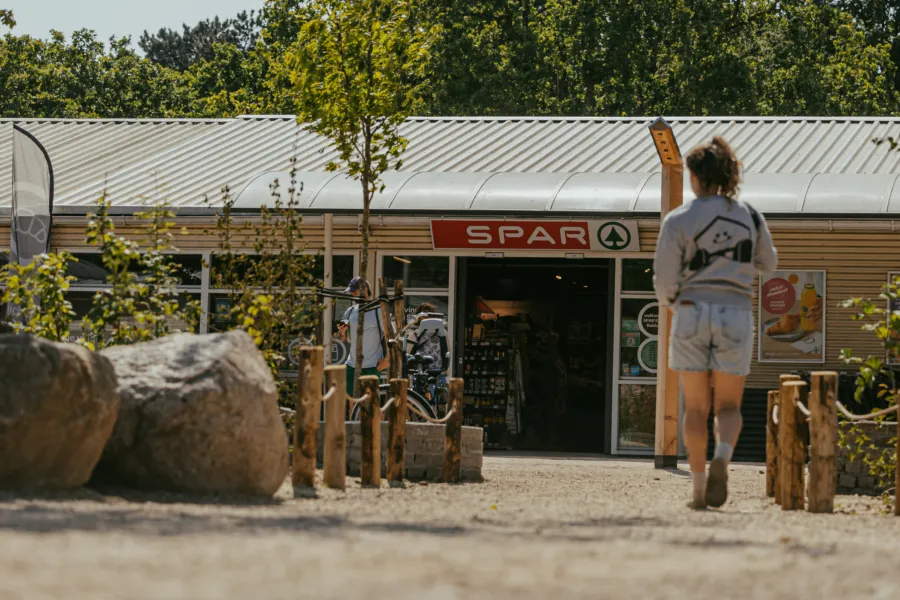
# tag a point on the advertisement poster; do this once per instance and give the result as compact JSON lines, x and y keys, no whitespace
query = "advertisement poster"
{"x":894,"y":278}
{"x":792,"y":317}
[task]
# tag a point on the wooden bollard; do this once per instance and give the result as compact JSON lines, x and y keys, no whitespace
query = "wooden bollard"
{"x":771,"y":446}
{"x":370,"y":424}
{"x":396,"y":449}
{"x":779,"y":494}
{"x":790,"y":445}
{"x":823,"y":442}
{"x":453,"y":433}
{"x":399,"y":322}
{"x":334,"y":460}
{"x":306,"y":420}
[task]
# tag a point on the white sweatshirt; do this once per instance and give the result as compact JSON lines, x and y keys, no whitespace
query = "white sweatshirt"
{"x":710,"y":250}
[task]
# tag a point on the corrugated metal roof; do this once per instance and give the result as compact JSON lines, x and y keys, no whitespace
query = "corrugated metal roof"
{"x":188,"y":160}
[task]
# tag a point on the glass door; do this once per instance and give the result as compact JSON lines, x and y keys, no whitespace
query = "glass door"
{"x":635,"y":357}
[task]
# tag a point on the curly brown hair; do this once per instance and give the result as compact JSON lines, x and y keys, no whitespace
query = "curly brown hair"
{"x":716,"y":168}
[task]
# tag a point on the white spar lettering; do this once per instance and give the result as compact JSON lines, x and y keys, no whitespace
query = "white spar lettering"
{"x":575,"y":233}
{"x":509,"y":232}
{"x":540,"y":235}
{"x":479,"y":234}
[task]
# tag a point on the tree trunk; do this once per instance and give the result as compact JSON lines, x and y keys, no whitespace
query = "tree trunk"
{"x":363,"y":269}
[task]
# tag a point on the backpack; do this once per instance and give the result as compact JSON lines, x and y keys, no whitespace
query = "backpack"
{"x":431,"y":340}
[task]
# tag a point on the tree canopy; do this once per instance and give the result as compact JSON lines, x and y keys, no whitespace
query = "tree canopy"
{"x":495,"y":57}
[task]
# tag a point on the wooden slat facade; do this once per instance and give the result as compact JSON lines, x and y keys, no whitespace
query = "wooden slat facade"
{"x":201,"y":238}
{"x":856,"y":264}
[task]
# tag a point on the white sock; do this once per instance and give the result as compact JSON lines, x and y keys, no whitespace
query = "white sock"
{"x":699,"y":481}
{"x":723,"y":452}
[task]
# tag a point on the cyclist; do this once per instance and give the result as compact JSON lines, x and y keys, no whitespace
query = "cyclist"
{"x":429,"y":338}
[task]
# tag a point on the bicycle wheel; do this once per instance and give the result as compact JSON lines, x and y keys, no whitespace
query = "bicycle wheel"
{"x":412,"y":398}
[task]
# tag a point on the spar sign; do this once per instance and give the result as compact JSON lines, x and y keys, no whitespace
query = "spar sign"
{"x":601,"y":236}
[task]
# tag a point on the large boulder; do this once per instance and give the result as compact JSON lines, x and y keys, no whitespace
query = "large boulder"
{"x":58,"y":406}
{"x":199,"y":414}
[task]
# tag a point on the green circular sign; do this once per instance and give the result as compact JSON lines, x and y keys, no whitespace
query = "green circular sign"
{"x":647,"y":355}
{"x":614,"y":236}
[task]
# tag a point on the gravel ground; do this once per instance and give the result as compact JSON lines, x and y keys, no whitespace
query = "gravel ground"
{"x":537,"y":528}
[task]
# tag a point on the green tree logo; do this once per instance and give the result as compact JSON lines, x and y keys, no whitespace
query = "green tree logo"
{"x":614,"y":236}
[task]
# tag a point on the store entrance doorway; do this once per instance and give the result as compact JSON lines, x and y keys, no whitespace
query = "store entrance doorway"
{"x":535,"y":341}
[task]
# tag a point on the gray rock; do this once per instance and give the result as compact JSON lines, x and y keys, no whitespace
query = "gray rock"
{"x":58,"y":406}
{"x":199,"y":414}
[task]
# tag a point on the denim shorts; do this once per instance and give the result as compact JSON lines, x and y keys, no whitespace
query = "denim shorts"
{"x":709,"y":337}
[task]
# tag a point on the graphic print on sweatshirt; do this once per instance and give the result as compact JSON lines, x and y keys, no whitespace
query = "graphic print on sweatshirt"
{"x":722,"y":238}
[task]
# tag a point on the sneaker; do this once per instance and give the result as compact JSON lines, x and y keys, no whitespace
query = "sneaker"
{"x":696,"y":505}
{"x":717,"y":483}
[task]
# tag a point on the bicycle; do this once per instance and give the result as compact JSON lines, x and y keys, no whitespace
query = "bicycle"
{"x":428,"y":387}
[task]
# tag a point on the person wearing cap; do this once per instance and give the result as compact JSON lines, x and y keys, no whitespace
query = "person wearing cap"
{"x":374,"y":361}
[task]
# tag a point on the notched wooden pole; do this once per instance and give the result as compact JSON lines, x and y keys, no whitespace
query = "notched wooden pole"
{"x":396,"y":450}
{"x":335,"y":452}
{"x":306,"y":419}
{"x":793,"y":454}
{"x":771,"y":446}
{"x":779,"y":491}
{"x":823,"y":442}
{"x":453,"y":433}
{"x":370,"y":424}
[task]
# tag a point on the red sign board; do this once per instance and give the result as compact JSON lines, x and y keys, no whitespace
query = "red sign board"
{"x":533,"y":235}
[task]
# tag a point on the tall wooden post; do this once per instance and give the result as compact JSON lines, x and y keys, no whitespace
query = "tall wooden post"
{"x":334,"y":460}
{"x":328,"y":282}
{"x":779,"y":493}
{"x":399,"y":323}
{"x":672,"y":196}
{"x":386,"y":328}
{"x":396,"y":450}
{"x":823,"y":442}
{"x":453,"y":433}
{"x":370,"y":425}
{"x":306,"y":420}
{"x":771,"y":446}
{"x":793,"y":454}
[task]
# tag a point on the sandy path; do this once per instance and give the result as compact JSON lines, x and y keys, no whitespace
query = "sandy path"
{"x":538,"y":528}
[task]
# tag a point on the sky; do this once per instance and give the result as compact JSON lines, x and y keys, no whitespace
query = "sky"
{"x":117,"y":17}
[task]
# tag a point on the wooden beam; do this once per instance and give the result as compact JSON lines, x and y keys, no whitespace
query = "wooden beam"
{"x":306,"y":419}
{"x":771,"y":445}
{"x":823,"y":442}
{"x":334,"y":460}
{"x":790,"y":444}
{"x":666,"y":439}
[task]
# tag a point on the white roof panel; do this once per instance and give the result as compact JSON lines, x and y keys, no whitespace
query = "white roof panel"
{"x":530,"y":164}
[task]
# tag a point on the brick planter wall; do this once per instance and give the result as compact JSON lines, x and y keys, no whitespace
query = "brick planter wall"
{"x":424,"y":450}
{"x":853,"y":476}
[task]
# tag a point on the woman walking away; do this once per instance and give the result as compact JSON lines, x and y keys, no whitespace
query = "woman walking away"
{"x":707,"y":257}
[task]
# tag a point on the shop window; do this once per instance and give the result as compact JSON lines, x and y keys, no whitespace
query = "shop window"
{"x":88,"y":269}
{"x":639,"y":328}
{"x":82,"y":301}
{"x":417,"y":272}
{"x":637,"y":275}
{"x":637,"y":417}
{"x":342,"y":268}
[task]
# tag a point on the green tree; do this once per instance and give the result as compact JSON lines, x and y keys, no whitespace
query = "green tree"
{"x":354,"y":68}
{"x":180,"y":51}
{"x":78,"y":77}
{"x":142,"y":301}
{"x":38,"y":290}
{"x":876,"y":374}
{"x":6,"y":18}
{"x":270,"y":290}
